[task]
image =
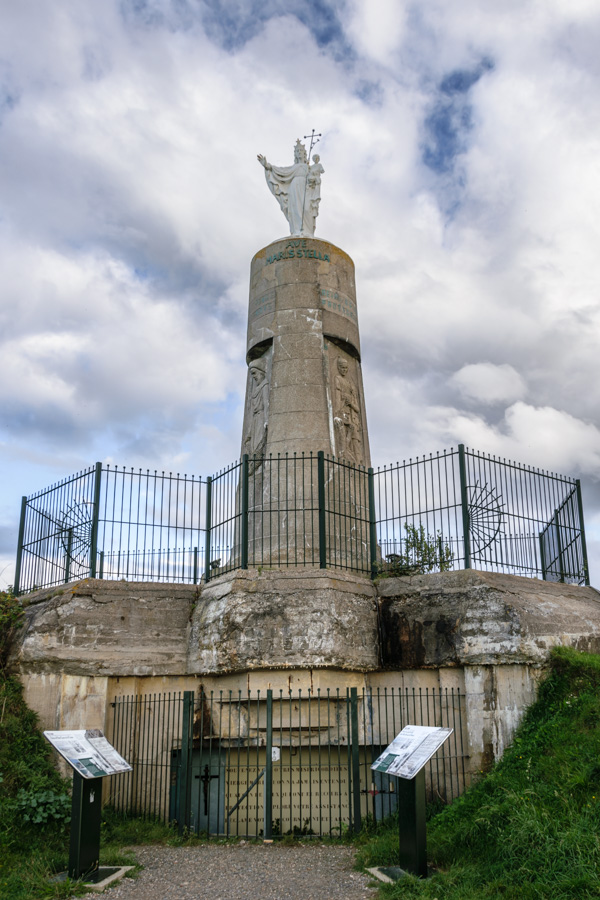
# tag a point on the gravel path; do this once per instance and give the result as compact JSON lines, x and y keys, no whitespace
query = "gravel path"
{"x":245,"y":872}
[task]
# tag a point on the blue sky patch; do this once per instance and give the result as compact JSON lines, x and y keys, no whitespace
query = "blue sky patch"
{"x":448,"y":124}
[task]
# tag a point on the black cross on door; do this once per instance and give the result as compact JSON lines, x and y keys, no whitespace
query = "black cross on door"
{"x":206,"y":779}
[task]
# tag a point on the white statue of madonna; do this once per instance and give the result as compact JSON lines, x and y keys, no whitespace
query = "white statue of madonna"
{"x":294,"y":187}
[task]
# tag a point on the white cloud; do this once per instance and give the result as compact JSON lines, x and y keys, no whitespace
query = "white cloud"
{"x":489,"y":383}
{"x":375,"y":26}
{"x":131,"y":204}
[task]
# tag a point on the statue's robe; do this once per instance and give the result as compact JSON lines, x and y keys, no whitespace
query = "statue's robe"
{"x":288,"y":184}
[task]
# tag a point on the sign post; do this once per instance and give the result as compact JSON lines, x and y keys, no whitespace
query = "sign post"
{"x":411,"y":825}
{"x":406,"y":758}
{"x":92,"y":758}
{"x":86,"y":818}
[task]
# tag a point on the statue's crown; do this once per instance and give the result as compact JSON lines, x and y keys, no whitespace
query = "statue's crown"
{"x":301,"y":149}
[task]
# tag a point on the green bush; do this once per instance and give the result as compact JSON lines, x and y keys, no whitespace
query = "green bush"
{"x":422,"y":553}
{"x":11,"y":620}
{"x":43,"y":807}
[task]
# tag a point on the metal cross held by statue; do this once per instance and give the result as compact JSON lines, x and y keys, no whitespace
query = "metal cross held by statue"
{"x":312,"y":141}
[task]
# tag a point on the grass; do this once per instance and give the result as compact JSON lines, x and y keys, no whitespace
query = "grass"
{"x":529,"y":829}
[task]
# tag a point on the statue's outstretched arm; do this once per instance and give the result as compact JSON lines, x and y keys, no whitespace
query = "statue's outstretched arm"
{"x":263,"y":161}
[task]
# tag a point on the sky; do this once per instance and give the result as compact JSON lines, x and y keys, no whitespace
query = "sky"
{"x":461,"y":148}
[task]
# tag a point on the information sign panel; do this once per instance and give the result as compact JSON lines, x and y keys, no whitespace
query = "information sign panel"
{"x":410,"y":750}
{"x":88,"y":752}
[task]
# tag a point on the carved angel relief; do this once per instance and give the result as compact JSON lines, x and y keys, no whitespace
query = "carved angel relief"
{"x":347,"y":416}
{"x":257,"y":412}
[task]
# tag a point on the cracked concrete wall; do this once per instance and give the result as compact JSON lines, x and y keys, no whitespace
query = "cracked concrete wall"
{"x":487,"y":634}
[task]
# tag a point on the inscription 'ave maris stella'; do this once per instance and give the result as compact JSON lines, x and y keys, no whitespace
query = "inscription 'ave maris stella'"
{"x":297,"y":250}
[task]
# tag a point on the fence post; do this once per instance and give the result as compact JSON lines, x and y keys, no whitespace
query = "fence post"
{"x":559,"y":546}
{"x":17,"y":582}
{"x":357,"y":823}
{"x":244,"y":511}
{"x":464,"y":502}
{"x":185,"y":771}
{"x":268,"y":817}
{"x":372,"y":522}
{"x":586,"y":571}
{"x":95,"y":520}
{"x":208,"y":528}
{"x":195,"y":573}
{"x":321,"y":493}
{"x":69,"y":552}
{"x":542,"y":555}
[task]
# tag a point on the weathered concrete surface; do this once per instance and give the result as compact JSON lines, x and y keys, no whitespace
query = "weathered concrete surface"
{"x":307,"y":393}
{"x":96,"y":627}
{"x":303,"y":618}
{"x":484,"y":634}
{"x":291,"y":618}
{"x":480,"y":618}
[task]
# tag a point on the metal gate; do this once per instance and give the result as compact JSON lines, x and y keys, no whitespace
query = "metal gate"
{"x":272,"y":763}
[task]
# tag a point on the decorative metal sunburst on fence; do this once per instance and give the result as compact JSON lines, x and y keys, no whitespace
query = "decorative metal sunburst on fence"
{"x":486,"y":516}
{"x":76,"y":531}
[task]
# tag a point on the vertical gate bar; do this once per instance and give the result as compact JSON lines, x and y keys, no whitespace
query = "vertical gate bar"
{"x":319,"y":762}
{"x":131,"y":737}
{"x":268,"y":810}
{"x":244,"y":512}
{"x":147,"y":751}
{"x":20,"y":541}
{"x":185,"y":773}
{"x":309,"y":820}
{"x":321,"y":489}
{"x":586,"y":571}
{"x":300,"y":755}
{"x":290,"y":744}
{"x":69,"y":553}
{"x":239,"y":751}
{"x":372,"y":523}
{"x":338,"y":743}
{"x":210,"y":762}
{"x":559,"y":545}
{"x":95,"y":519}
{"x":355,"y":759}
{"x":349,"y":760}
{"x":195,"y":575}
{"x":281,"y":745}
{"x":227,"y":764}
{"x":207,"y":525}
{"x":464,"y":502}
{"x":154,"y":758}
{"x":542,"y":554}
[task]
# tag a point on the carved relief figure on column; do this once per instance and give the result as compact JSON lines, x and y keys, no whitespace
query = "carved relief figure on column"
{"x":347,"y":416}
{"x":291,"y":186}
{"x":256,"y":437}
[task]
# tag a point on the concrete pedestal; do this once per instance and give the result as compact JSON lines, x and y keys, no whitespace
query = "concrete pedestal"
{"x":304,"y":395}
{"x":303,"y":334}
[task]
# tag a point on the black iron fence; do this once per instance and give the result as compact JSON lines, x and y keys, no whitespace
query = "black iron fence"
{"x":450,"y":510}
{"x":275,"y":763}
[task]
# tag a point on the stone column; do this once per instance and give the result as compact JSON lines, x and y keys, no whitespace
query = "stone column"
{"x":304,"y":394}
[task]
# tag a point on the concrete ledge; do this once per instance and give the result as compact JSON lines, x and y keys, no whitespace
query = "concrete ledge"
{"x":97,"y":627}
{"x":471,"y":618}
{"x":288,"y":618}
{"x":107,"y":875}
{"x":304,"y":618}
